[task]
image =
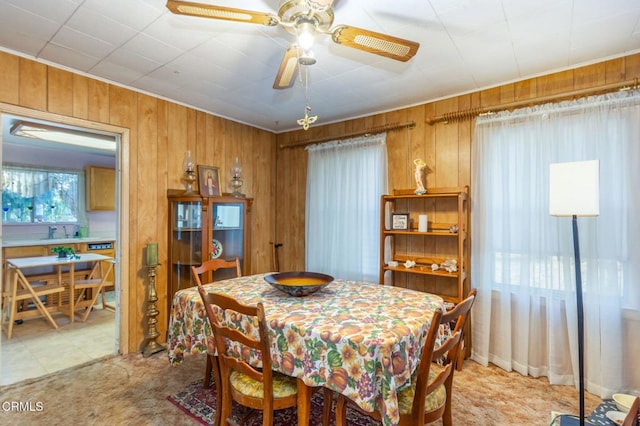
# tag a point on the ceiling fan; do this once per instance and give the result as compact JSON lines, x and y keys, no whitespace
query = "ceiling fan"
{"x":304,"y":18}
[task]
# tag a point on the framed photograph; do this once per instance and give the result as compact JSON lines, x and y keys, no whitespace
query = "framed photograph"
{"x":208,"y":181}
{"x":399,"y":221}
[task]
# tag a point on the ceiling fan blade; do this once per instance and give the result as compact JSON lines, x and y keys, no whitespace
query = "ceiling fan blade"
{"x":220,"y":12}
{"x":373,"y":42}
{"x":288,"y":68}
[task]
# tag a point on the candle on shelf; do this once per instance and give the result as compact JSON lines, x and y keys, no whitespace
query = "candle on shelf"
{"x":152,"y":254}
{"x":422,"y":223}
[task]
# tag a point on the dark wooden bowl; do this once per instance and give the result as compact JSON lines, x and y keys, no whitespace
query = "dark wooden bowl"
{"x":298,"y":284}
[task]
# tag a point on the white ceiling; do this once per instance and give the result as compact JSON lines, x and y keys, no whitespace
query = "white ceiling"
{"x":228,"y":68}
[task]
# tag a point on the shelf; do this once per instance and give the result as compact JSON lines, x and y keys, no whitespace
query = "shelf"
{"x":450,"y":299}
{"x":189,"y":264}
{"x":423,"y":270}
{"x":431,"y":193}
{"x":447,"y":209}
{"x":424,"y":234}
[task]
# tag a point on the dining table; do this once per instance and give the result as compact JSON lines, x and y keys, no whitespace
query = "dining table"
{"x":357,"y":338}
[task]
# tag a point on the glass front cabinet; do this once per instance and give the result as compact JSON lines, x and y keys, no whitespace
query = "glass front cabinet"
{"x":202,"y":228}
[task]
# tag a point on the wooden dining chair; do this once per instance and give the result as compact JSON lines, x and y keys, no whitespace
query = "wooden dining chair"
{"x":210,"y":266}
{"x":459,"y":316}
{"x":212,"y":368}
{"x":18,"y":289}
{"x":197,"y":272}
{"x":97,"y":281}
{"x":256,"y":388}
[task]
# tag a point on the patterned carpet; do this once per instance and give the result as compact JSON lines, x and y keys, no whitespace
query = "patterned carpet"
{"x":199,"y":403}
{"x":132,"y":390}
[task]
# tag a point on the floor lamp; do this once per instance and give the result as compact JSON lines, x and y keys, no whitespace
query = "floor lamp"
{"x":574,"y":191}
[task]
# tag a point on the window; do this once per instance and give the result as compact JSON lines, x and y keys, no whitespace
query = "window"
{"x":523,"y":258}
{"x":345,"y":180}
{"x":41,"y":195}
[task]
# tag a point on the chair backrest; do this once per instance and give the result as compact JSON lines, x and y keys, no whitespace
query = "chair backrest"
{"x":633,"y":416}
{"x":460,"y":313}
{"x":446,"y":353}
{"x":432,"y":352}
{"x":213,"y":265}
{"x":220,"y":306}
{"x":456,"y":319}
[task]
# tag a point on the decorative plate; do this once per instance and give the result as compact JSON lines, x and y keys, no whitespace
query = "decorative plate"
{"x":299,"y":284}
{"x":216,"y":249}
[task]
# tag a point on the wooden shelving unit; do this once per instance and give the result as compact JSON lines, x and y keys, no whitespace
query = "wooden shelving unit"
{"x":445,"y":239}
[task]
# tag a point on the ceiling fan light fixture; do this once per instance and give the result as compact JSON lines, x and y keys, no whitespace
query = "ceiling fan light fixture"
{"x":303,"y":19}
{"x":306,"y":32}
{"x":307,"y":57}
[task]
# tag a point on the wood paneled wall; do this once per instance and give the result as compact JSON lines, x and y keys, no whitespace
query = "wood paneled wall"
{"x":446,"y":148}
{"x":158,"y":134}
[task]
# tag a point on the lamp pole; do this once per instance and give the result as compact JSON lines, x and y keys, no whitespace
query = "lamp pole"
{"x":574,"y":191}
{"x":580,"y":310}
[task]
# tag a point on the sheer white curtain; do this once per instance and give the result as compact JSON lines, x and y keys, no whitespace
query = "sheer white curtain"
{"x":345,"y":180}
{"x":522,"y":258}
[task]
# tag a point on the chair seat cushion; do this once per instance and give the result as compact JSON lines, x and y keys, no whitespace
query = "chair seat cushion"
{"x":433,"y":401}
{"x":283,"y":386}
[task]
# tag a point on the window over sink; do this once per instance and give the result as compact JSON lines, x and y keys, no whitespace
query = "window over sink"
{"x":41,"y":195}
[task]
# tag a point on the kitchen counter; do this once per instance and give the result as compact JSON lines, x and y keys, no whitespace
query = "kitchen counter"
{"x":54,"y":241}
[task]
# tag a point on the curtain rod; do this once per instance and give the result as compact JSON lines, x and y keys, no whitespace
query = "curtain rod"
{"x":371,"y":131}
{"x":474,"y":112}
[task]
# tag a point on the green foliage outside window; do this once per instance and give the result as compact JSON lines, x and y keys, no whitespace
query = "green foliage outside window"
{"x":39,"y":195}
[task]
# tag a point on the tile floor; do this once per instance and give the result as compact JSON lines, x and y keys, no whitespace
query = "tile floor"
{"x":36,"y":348}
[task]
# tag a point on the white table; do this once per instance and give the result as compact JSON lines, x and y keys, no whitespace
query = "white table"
{"x":18,"y":287}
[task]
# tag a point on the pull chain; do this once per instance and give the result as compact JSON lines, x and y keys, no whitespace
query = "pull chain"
{"x":307,"y":120}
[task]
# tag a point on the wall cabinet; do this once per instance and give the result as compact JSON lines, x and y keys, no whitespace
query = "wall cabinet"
{"x":202,"y":228}
{"x":444,"y":242}
{"x":101,"y":188}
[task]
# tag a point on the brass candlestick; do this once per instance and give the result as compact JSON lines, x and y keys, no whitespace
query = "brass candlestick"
{"x":151,"y":346}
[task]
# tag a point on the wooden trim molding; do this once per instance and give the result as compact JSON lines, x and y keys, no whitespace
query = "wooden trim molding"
{"x":125,"y":319}
{"x":371,"y":131}
{"x":472,"y":113}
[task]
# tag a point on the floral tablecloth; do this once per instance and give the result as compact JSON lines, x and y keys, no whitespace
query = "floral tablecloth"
{"x":360,"y":339}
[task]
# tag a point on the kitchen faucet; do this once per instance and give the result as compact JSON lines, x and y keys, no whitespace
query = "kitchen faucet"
{"x":52,"y":229}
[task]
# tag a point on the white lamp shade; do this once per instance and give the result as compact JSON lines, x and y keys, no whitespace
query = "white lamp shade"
{"x":574,"y":188}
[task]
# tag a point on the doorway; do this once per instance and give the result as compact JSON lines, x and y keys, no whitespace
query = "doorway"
{"x":99,"y":325}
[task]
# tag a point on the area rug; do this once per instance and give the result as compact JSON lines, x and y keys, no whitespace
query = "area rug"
{"x":199,"y":403}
